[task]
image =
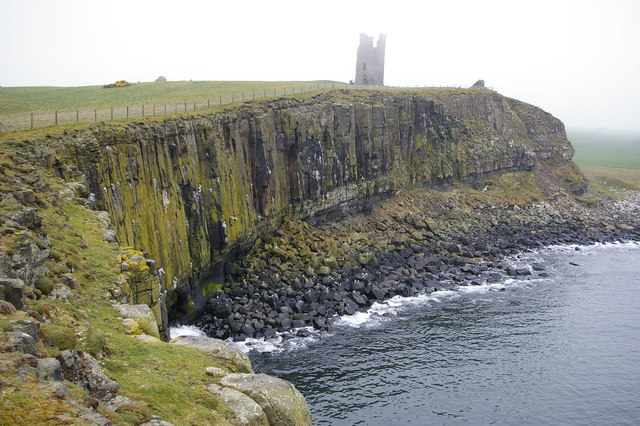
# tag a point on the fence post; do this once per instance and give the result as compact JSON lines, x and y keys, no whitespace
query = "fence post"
{"x":77,"y":116}
{"x":254,"y":94}
{"x":194,"y":105}
{"x":208,"y":103}
{"x":154,"y":109}
{"x":220,"y":101}
{"x":143,"y":110}
{"x":32,"y":120}
{"x":127,"y":111}
{"x":95,"y":115}
{"x":111,"y":113}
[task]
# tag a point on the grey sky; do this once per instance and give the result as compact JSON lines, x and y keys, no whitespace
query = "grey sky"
{"x":579,"y":60}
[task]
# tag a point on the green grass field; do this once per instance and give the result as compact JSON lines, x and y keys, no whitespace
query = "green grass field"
{"x":608,"y":159}
{"x":595,"y":148}
{"x":36,"y":99}
{"x":22,"y":108}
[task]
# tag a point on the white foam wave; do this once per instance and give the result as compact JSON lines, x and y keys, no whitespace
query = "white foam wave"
{"x":595,"y":246}
{"x":390,"y":308}
{"x":185,"y":330}
{"x":357,"y":319}
{"x":287,"y":341}
{"x":484,"y":288}
{"x":259,"y":345}
{"x":380,"y":312}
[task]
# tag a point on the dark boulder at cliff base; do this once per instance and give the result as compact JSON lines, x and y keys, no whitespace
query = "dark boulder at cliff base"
{"x":220,"y":307}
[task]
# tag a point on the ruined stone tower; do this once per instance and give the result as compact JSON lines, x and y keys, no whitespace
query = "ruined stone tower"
{"x":370,"y":64}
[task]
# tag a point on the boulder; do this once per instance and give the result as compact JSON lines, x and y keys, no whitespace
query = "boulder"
{"x":145,"y":338}
{"x":131,"y":326}
{"x":420,"y":261}
{"x":12,"y":290}
{"x":331,"y":262}
{"x":69,"y":280}
{"x":61,"y":291}
{"x":48,"y":368}
{"x":7,"y":308}
{"x":25,"y":196}
{"x":143,"y":315}
{"x":324,"y":270}
{"x":79,"y":189}
{"x":25,"y":367}
{"x":453,"y":248}
{"x":22,"y":337}
{"x":281,"y":401}
{"x":83,"y":370}
{"x":246,"y":410}
{"x":217,"y":349}
{"x":215,"y":372}
{"x":26,"y":263}
{"x":28,"y":218}
{"x":221,"y":307}
{"x":18,"y":341}
{"x":110,"y":236}
{"x":28,"y":327}
{"x":114,"y":403}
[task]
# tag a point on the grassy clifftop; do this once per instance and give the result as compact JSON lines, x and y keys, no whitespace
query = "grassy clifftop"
{"x":33,"y":99}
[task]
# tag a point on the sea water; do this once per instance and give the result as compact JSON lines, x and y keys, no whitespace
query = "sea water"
{"x":563,"y":349}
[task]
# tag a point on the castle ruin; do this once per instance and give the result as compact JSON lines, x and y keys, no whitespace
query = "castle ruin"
{"x":370,"y":63}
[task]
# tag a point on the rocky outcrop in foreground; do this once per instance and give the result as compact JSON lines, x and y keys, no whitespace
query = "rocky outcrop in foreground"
{"x":253,"y":399}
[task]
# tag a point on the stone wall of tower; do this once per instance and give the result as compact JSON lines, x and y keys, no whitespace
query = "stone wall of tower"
{"x":370,"y":60}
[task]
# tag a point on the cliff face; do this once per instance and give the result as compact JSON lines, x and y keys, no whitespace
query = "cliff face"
{"x":191,"y":191}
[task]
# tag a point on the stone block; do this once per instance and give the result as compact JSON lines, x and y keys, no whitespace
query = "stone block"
{"x":143,"y":315}
{"x":12,"y":290}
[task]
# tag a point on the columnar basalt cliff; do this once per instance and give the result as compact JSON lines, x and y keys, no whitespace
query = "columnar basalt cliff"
{"x":194,"y":192}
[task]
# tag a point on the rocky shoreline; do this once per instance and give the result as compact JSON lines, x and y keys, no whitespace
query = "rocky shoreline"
{"x":398,"y":249}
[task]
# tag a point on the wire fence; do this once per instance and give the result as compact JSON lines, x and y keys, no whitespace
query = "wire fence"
{"x":32,"y":120}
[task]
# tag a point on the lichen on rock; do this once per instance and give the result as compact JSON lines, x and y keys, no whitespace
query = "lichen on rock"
{"x":281,"y":401}
{"x":217,"y":349}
